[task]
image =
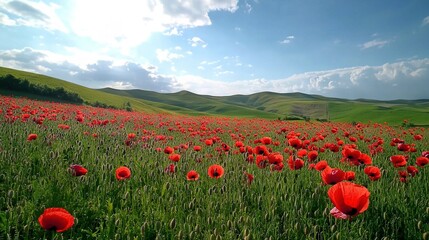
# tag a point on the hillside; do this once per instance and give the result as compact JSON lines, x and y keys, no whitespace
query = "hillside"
{"x":264,"y":104}
{"x":195,"y":102}
{"x":286,"y":104}
{"x":87,"y":94}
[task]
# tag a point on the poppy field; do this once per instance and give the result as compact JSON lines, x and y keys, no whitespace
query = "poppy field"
{"x":79,"y":172}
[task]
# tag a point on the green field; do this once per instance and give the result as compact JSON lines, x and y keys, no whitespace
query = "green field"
{"x":156,"y":203}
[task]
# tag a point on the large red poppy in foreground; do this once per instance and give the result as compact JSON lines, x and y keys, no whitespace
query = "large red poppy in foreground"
{"x":57,"y":219}
{"x":349,"y":199}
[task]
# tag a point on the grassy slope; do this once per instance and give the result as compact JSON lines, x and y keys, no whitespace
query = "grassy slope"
{"x":340,"y":109}
{"x":91,"y":95}
{"x":195,"y":102}
{"x":281,"y":104}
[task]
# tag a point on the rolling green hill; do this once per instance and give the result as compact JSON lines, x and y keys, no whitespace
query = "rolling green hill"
{"x":286,"y":104}
{"x":264,"y":104}
{"x":89,"y":95}
{"x":195,"y":102}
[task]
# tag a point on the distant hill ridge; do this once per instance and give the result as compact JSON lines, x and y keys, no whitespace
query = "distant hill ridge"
{"x":269,"y":105}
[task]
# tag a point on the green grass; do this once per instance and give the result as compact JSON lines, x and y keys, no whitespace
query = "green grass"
{"x":153,"y":204}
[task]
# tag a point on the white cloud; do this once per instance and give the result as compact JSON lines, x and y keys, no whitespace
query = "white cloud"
{"x":164,"y":55}
{"x":196,"y":41}
{"x":405,"y":79}
{"x":99,"y":74}
{"x":6,"y":20}
{"x":374,"y":43}
{"x":209,"y":62}
{"x":387,"y":81}
{"x":287,"y":40}
{"x":31,"y":14}
{"x":121,"y":85}
{"x":174,"y":32}
{"x":425,"y":21}
{"x":224,"y":73}
{"x":128,"y":23}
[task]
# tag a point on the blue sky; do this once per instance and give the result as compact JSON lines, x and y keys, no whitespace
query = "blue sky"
{"x":349,"y":49}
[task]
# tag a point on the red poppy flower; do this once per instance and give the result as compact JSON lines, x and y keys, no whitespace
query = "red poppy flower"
{"x":275,"y":158}
{"x":295,"y":143}
{"x":266,"y":140}
{"x":170,"y":169}
{"x":295,"y":163}
{"x":78,"y":170}
{"x":208,"y":142}
{"x":123,"y":173}
{"x":403,"y":175}
{"x":192,"y":175}
{"x":215,"y":171}
{"x":334,"y":148}
{"x":225,"y":147}
{"x":398,"y":160}
{"x":277,"y":167}
{"x":422,"y":161}
{"x":197,"y":148}
{"x":373,"y":173}
{"x":57,"y":219}
{"x":349,"y":198}
{"x":239,"y":144}
{"x":261,"y":150}
{"x":331,"y":176}
{"x":321,"y":165}
{"x":350,"y":176}
{"x":418,"y":137}
{"x":131,"y":135}
{"x":364,"y":159}
{"x":350,"y":154}
{"x":403,"y":147}
{"x":412,"y":170}
{"x":168,"y":150}
{"x":301,"y":153}
{"x":312,"y":155}
{"x":80,"y":118}
{"x":32,"y":137}
{"x":174,"y":157}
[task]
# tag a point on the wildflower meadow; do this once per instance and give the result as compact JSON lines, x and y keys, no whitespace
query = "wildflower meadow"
{"x":79,"y":172}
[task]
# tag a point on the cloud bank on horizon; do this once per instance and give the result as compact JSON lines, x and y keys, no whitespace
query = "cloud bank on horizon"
{"x":224,"y":47}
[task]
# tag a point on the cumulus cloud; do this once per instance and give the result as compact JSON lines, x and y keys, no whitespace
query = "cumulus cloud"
{"x":399,"y":80}
{"x":98,"y":74}
{"x":164,"y":55}
{"x":374,"y":43}
{"x":129,"y":23}
{"x":406,"y":79}
{"x":196,"y":41}
{"x":31,"y":14}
